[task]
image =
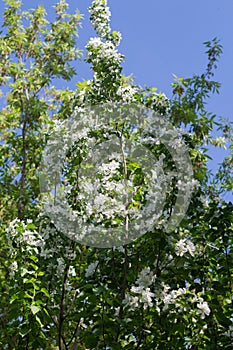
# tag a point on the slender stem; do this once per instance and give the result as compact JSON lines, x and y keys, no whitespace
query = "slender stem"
{"x":141,"y":330}
{"x":103,"y":327}
{"x":158,"y":271}
{"x":125,"y":180}
{"x":23,"y":171}
{"x":125,"y":282}
{"x":75,"y":336}
{"x":230,"y":285}
{"x":114,"y":267}
{"x":62,"y":309}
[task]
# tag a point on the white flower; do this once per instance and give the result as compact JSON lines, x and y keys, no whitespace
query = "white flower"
{"x":100,"y":17}
{"x":72,"y":271}
{"x":145,"y":278}
{"x":13,"y":223}
{"x":190,"y":247}
{"x":106,"y":51}
{"x":24,"y":238}
{"x":95,"y":42}
{"x":146,"y":298}
{"x":183,"y":246}
{"x":136,"y":289}
{"x":117,"y":311}
{"x":144,"y":294}
{"x":91,"y":269}
{"x":131,"y":301}
{"x":109,"y":168}
{"x":203,"y":309}
{"x":229,"y":333}
{"x":126,"y":93}
{"x":180,"y":247}
{"x":160,"y":103}
{"x":120,"y":249}
{"x":13,"y":268}
{"x":172,"y":296}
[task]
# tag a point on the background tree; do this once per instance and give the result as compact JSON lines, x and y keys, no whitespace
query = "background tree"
{"x":162,"y":291}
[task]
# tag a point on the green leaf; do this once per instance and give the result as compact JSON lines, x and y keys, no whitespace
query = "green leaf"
{"x":39,"y":321}
{"x":35,"y":309}
{"x":45,"y":292}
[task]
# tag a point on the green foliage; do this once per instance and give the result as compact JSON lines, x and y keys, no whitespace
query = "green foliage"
{"x":161,"y":291}
{"x":33,"y":53}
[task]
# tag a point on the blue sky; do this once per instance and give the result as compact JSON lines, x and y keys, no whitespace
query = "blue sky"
{"x":161,"y":38}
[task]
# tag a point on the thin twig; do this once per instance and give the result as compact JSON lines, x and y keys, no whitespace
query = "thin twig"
{"x":62,"y":309}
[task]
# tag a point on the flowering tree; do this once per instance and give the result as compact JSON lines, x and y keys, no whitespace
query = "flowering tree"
{"x":163,"y":289}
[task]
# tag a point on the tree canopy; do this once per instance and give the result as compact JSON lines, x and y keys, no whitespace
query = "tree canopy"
{"x":164,"y":289}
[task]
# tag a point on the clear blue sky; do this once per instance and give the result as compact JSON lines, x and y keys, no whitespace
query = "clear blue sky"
{"x":165,"y":37}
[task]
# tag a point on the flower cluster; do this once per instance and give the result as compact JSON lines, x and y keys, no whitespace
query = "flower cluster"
{"x":13,"y":268}
{"x":100,"y":17}
{"x":24,"y":246}
{"x":159,"y":103}
{"x":183,"y":300}
{"x":164,"y":298}
{"x":104,"y":57}
{"x":190,"y":185}
{"x":141,"y":293}
{"x":126,"y":93}
{"x":183,"y":246}
{"x":171,"y":297}
{"x":90,"y":270}
{"x":102,"y":53}
{"x":103,"y":192}
{"x":203,"y":308}
{"x":162,"y":104}
{"x":23,"y":235}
